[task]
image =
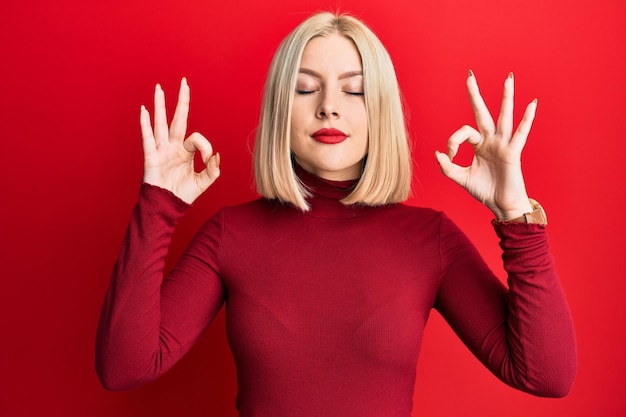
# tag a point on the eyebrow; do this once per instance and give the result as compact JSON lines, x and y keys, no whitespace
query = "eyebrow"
{"x":347,"y":74}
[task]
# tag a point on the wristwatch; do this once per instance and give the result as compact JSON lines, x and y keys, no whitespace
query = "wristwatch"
{"x":537,"y":216}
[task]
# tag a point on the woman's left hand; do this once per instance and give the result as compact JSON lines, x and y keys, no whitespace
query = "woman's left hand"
{"x":495,"y":174}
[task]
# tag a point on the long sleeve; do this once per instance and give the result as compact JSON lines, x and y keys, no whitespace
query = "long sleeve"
{"x":147,"y":322}
{"x":326,"y":309}
{"x":523,"y":334}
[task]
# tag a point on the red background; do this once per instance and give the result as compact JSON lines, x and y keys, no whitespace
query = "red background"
{"x":73,"y":77}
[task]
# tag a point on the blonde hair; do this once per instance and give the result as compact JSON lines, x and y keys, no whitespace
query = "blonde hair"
{"x":386,"y":176}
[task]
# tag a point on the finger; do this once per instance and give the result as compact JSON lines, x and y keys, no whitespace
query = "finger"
{"x":211,"y":172}
{"x":484,"y":121}
{"x":523,"y":130}
{"x":160,"y":118}
{"x":505,"y":119}
{"x":147,"y":137}
{"x":179,"y":122}
{"x":464,"y":134}
{"x":197,"y":142}
{"x":451,"y":170}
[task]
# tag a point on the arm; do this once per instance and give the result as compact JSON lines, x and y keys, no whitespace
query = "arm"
{"x":524,"y":334}
{"x":147,"y":322}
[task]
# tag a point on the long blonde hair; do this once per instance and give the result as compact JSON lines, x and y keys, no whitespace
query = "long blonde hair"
{"x":386,"y":177}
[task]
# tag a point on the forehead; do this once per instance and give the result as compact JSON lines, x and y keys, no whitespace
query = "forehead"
{"x":331,"y":54}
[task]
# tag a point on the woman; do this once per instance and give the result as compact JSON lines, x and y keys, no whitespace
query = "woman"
{"x":328,"y":280}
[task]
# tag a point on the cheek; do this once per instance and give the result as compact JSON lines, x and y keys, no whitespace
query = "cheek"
{"x":363,"y":121}
{"x":297,"y":121}
{"x":360,"y":117}
{"x":296,"y":141}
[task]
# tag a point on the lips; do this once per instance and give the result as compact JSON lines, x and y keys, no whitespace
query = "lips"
{"x":329,"y":136}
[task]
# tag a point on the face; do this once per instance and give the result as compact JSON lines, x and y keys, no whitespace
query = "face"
{"x":328,"y":118}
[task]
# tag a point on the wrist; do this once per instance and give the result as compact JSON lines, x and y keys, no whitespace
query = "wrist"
{"x":525,"y":206}
{"x":535,"y":214}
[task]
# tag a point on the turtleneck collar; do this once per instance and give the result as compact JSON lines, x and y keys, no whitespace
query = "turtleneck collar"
{"x":326,"y":195}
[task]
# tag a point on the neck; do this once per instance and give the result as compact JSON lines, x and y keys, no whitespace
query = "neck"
{"x":326,"y":196}
{"x":348,"y":174}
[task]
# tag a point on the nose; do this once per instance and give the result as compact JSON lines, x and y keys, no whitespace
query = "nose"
{"x":328,"y":106}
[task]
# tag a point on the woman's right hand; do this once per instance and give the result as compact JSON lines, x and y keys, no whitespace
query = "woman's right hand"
{"x":169,"y":157}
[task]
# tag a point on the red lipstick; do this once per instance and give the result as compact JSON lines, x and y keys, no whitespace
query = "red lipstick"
{"x":329,"y":136}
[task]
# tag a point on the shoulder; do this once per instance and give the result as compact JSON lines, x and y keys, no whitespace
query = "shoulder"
{"x":245,"y":217}
{"x":250,"y":214}
{"x":257,"y":207}
{"x":424,"y":216}
{"x":427,"y":223}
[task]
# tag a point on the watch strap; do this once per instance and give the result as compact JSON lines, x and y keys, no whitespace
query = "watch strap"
{"x":537,"y":216}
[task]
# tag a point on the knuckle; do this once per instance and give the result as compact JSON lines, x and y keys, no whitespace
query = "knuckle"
{"x":197,"y":136}
{"x":468,"y":128}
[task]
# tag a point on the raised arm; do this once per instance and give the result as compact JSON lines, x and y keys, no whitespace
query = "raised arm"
{"x":148,"y":321}
{"x":524,"y":333}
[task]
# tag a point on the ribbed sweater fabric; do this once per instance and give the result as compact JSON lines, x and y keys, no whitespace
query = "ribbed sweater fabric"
{"x":326,"y":309}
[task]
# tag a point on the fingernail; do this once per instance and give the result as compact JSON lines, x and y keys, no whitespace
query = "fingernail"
{"x":218,"y":159}
{"x":470,"y":73}
{"x":143,"y":108}
{"x":158,"y":86}
{"x":510,"y":74}
{"x":535,"y":100}
{"x":184,"y":81}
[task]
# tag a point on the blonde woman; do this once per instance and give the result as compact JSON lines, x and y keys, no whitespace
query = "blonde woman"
{"x":329,"y":277}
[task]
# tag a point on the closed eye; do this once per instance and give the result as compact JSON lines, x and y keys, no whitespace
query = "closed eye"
{"x":304,"y":92}
{"x":354,"y":93}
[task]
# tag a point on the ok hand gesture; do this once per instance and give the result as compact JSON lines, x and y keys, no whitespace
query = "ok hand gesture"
{"x":495,"y":174}
{"x":169,"y":157}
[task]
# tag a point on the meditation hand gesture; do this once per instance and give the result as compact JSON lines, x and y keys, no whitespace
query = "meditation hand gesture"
{"x":495,"y":174}
{"x":169,"y":157}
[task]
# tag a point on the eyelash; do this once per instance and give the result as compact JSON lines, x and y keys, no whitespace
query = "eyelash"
{"x":305,"y":92}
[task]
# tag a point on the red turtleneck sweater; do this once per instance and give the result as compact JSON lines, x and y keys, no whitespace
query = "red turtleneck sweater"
{"x":326,"y":309}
